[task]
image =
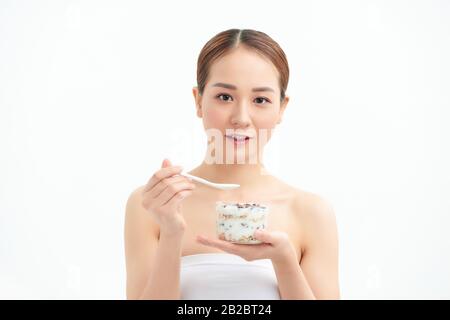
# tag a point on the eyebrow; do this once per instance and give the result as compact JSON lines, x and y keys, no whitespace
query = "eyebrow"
{"x":233,"y":87}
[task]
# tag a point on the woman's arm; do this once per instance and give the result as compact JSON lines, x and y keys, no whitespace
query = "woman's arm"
{"x":292,"y":283}
{"x":164,"y":279}
{"x":153,"y":267}
{"x":317,"y":276}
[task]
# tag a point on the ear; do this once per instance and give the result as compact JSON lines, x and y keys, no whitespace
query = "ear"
{"x":198,"y":101}
{"x":282,"y":108}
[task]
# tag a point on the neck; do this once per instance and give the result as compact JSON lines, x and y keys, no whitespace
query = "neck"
{"x":246,"y":175}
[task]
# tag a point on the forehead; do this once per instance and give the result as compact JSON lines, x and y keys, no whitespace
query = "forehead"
{"x":245,"y":69}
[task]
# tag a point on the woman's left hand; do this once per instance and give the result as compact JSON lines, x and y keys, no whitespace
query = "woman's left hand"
{"x":276,"y":246}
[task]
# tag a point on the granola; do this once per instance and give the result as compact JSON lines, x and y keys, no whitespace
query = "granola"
{"x":237,"y":222}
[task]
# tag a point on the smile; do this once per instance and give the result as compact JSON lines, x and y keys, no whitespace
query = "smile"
{"x":238,"y":139}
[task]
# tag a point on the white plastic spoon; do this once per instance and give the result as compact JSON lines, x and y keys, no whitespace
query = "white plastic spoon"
{"x":222,"y":186}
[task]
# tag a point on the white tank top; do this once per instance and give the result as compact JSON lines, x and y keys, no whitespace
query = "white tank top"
{"x":224,"y":276}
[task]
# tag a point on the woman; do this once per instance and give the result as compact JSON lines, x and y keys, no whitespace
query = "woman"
{"x":171,"y":248}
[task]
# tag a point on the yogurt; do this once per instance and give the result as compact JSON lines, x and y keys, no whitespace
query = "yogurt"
{"x":237,"y":222}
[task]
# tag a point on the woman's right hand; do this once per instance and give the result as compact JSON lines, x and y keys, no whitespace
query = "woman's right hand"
{"x":162,"y":197}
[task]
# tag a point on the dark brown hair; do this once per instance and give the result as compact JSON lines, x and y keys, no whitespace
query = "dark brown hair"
{"x":225,"y":41}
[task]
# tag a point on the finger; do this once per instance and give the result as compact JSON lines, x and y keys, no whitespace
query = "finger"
{"x":164,"y":183}
{"x":220,"y":244}
{"x":166,"y":163}
{"x":173,"y":188}
{"x":172,"y":191}
{"x":173,"y":202}
{"x":263,"y":235}
{"x":270,"y":237}
{"x":160,"y":175}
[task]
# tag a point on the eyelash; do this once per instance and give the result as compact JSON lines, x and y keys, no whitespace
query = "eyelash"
{"x":224,"y":94}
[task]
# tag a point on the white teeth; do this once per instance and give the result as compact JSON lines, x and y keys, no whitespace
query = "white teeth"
{"x":237,"y":137}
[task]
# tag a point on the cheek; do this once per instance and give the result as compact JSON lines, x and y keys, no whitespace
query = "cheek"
{"x":214,"y":118}
{"x":217,"y":118}
{"x":267,"y":120}
{"x":268,"y":123}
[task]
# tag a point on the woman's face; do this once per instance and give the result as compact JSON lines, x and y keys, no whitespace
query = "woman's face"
{"x":241,"y":96}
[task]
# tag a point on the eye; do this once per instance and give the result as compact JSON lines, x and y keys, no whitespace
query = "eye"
{"x":267,"y":100}
{"x":224,"y":95}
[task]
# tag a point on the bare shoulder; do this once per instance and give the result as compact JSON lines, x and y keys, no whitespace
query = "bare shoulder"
{"x":318,"y":220}
{"x":141,"y":239}
{"x":136,"y":215}
{"x":313,"y":206}
{"x":134,"y":201}
{"x":313,"y":212}
{"x":307,"y":204}
{"x":320,"y":244}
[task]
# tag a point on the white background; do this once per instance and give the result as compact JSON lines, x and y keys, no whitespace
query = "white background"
{"x":94,"y":94}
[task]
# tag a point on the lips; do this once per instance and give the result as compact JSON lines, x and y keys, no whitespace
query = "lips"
{"x":239,"y":141}
{"x":238,"y":137}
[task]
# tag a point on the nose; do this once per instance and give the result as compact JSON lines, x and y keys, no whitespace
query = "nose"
{"x":240,"y":116}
